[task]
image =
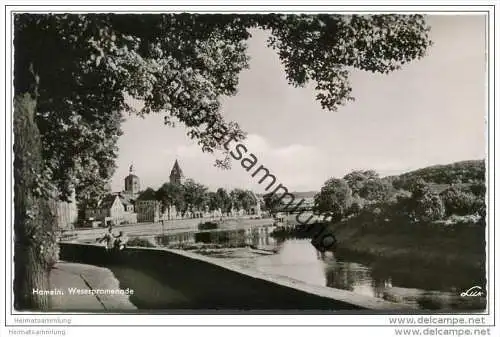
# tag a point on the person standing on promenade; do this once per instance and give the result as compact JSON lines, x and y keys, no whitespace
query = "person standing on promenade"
{"x":109,"y":238}
{"x":120,"y":241}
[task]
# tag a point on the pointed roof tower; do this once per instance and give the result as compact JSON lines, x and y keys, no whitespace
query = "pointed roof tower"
{"x":176,"y":175}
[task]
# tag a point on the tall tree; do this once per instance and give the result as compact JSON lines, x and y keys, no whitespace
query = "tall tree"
{"x":35,"y":241}
{"x":75,"y":71}
{"x":148,"y":194}
{"x":357,"y":179}
{"x":172,"y":195}
{"x":272,"y":203}
{"x":457,"y":201}
{"x":242,"y":199}
{"x":248,"y":199}
{"x":195,"y":195}
{"x":212,"y":201}
{"x":335,"y":198}
{"x":223,"y":200}
{"x":424,"y":204}
{"x":376,"y":190}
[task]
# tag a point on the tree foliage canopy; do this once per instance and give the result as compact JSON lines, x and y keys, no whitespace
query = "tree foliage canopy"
{"x":335,"y":198}
{"x":223,"y":199}
{"x":463,"y":172}
{"x":425,"y":204}
{"x":195,"y":194}
{"x":85,"y":70}
{"x":148,"y":194}
{"x":375,"y":190}
{"x":273,"y":203}
{"x":242,"y":199}
{"x":459,"y":202}
{"x":358,"y":178}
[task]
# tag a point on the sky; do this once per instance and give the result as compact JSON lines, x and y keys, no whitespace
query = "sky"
{"x":430,"y":112}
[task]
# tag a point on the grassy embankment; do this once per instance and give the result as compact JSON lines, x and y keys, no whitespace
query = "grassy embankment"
{"x":454,"y":241}
{"x":432,"y":244}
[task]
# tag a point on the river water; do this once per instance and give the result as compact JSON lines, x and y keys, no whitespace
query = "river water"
{"x":256,"y":248}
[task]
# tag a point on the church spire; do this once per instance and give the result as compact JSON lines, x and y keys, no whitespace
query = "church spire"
{"x":176,"y":175}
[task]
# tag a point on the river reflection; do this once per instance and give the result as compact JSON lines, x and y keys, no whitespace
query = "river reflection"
{"x":256,"y":237}
{"x":298,"y":259}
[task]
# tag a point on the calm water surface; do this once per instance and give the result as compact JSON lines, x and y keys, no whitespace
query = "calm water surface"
{"x":298,"y":259}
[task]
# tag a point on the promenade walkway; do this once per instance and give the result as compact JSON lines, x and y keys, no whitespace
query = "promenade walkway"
{"x":77,"y":285}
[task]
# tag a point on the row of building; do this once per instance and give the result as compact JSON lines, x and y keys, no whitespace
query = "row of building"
{"x":124,"y":207}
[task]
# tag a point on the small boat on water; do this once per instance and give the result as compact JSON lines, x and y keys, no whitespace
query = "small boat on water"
{"x":266,"y":251}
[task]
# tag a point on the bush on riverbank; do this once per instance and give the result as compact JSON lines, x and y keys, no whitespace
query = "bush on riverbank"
{"x":140,"y":242}
{"x":296,"y":231}
{"x":208,"y":225}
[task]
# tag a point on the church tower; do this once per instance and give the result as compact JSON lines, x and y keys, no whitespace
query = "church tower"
{"x":132,"y":183}
{"x":176,"y":175}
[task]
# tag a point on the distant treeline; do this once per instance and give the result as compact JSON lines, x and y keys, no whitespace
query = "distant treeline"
{"x":463,"y":172}
{"x":192,"y":195}
{"x":428,"y":194}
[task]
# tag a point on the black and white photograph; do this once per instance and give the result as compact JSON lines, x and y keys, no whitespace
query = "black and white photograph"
{"x":240,"y":162}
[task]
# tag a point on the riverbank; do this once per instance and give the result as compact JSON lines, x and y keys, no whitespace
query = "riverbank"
{"x":425,"y":244}
{"x":449,"y":259}
{"x":456,"y":242}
